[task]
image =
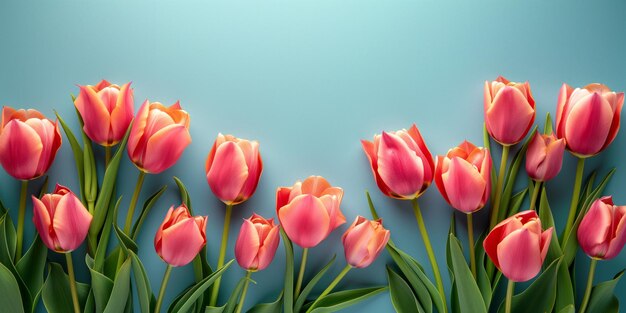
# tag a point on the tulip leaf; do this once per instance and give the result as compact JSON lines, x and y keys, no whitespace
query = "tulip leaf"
{"x":309,"y":287}
{"x":233,"y":300}
{"x":493,"y":176}
{"x":342,"y":299}
{"x":187,"y":301}
{"x":126,"y":243}
{"x":56,"y":294}
{"x":121,"y":289}
{"x":603,"y":299}
{"x":468,"y":296}
{"x":589,"y":185}
{"x":78,"y":154}
{"x":402,"y":297}
{"x":32,"y":265}
{"x":273,"y":307}
{"x":101,"y":286}
{"x":547,"y":127}
{"x":482,"y":279}
{"x":567,"y":309}
{"x":100,"y":255}
{"x":144,"y":291}
{"x":91,"y":174}
{"x":184,"y":194}
{"x":7,"y":254}
{"x":3,"y":209}
{"x":288,"y":289}
{"x":10,"y":301}
{"x":516,"y":202}
{"x":147,"y":206}
{"x":214,"y":309}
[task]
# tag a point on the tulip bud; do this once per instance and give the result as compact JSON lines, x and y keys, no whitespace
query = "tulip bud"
{"x":233,"y":168}
{"x":509,"y":110}
{"x":61,"y":220}
{"x":544,"y":157}
{"x":402,"y":165}
{"x":180,"y":237}
{"x":158,"y":136}
{"x":28,"y":143}
{"x":517,"y":246}
{"x":309,"y":211}
{"x":588,"y":118}
{"x":602,"y":232}
{"x":106,"y":110}
{"x":363,"y":241}
{"x":463,"y":177}
{"x":257,"y":243}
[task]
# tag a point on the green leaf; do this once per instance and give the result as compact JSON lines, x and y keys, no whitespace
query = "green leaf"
{"x":186,"y":302}
{"x":125,"y":242}
{"x":309,"y":287}
{"x":288,"y":290}
{"x":422,"y":287}
{"x":402,"y":297}
{"x":516,"y":202}
{"x":100,"y":256}
{"x":371,"y":205}
{"x":184,"y":194}
{"x":273,"y":307}
{"x":78,"y":154}
{"x":214,"y":309}
{"x":101,"y":286}
{"x":603,"y":299}
{"x":147,"y":205}
{"x":547,"y":127}
{"x":567,"y":309}
{"x":482,"y":280}
{"x":121,"y":289}
{"x":468,"y":294}
{"x":56,"y":294}
{"x":7,"y":242}
{"x":91,"y":174}
{"x":343,"y":299}
{"x":233,"y":300}
{"x":31,"y":266}
{"x":11,"y":299}
{"x":144,"y":291}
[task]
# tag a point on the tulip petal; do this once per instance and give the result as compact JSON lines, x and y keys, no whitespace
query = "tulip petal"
{"x":181,"y":243}
{"x":305,"y":220}
{"x":332,"y":203}
{"x":50,"y":141}
{"x":617,"y":242}
{"x":510,"y":117}
{"x":562,"y":107}
{"x":165,"y":147}
{"x":519,"y":255}
{"x":122,"y":114}
{"x":497,"y":234}
{"x":228,"y":173}
{"x":267,"y":251}
{"x":355,"y":243}
{"x":400,"y":167}
{"x":617,"y":104}
{"x":247,"y":246}
{"x":20,"y":150}
{"x":315,"y":185}
{"x":588,"y":125}
{"x":255,"y":166}
{"x":42,"y":222}
{"x":370,"y":152}
{"x":136,"y":141}
{"x":464,"y":186}
{"x":71,"y":222}
{"x":282,"y":197}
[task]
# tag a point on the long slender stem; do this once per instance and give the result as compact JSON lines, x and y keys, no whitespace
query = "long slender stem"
{"x":330,"y":287}
{"x":495,"y":209}
{"x":70,"y":271}
{"x":510,"y":288}
{"x":133,"y":202}
{"x":215,"y":289}
{"x":305,"y":253}
{"x":166,"y":278}
{"x":470,"y":239}
{"x":107,"y":156}
{"x":592,"y":271}
{"x":533,"y":198}
{"x":429,"y":251}
{"x":580,"y":167}
{"x":244,"y":292}
{"x":20,"y":221}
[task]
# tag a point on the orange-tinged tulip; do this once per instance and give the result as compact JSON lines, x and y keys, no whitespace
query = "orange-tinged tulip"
{"x":107,"y":110}
{"x":61,"y":220}
{"x":509,"y":110}
{"x":257,"y":243}
{"x":28,"y":143}
{"x":602,"y":232}
{"x":180,"y":237}
{"x":544,"y":157}
{"x":363,"y":241}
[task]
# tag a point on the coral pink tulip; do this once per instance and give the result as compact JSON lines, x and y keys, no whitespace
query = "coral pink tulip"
{"x":180,"y":237}
{"x":544,"y":157}
{"x":107,"y":110}
{"x":602,"y":232}
{"x":588,"y":118}
{"x":158,"y":136}
{"x":233,"y":168}
{"x":402,"y":165}
{"x":28,"y":143}
{"x":61,"y":220}
{"x":257,"y":243}
{"x":309,"y":211}
{"x":363,"y":241}
{"x":463,"y":177}
{"x":509,"y":110}
{"x":517,"y":246}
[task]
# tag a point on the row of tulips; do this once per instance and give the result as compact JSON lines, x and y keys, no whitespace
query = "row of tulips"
{"x":515,"y":245}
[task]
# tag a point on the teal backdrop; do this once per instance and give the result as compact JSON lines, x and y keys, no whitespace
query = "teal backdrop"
{"x":308,"y":80}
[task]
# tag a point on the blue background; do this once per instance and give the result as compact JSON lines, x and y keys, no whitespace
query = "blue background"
{"x":309,"y":79}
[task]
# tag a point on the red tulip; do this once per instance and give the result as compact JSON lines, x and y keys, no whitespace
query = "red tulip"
{"x":517,"y":246}
{"x":28,"y":143}
{"x":309,"y":211}
{"x":509,"y":110}
{"x":257,"y":243}
{"x":106,"y":110}
{"x":544,"y":157}
{"x":602,"y":232}
{"x":180,"y":237}
{"x":402,"y":165}
{"x":61,"y":220}
{"x":588,"y":118}
{"x":463,"y":177}
{"x":233,"y":168}
{"x":158,"y":136}
{"x":363,"y":241}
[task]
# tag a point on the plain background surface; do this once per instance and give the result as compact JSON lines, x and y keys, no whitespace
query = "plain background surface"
{"x":308,"y":80}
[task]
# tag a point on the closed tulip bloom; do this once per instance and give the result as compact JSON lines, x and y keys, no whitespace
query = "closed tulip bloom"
{"x":233,"y":168}
{"x":363,"y":241}
{"x":28,"y":143}
{"x":309,"y":211}
{"x":463,"y":177}
{"x":107,"y":110}
{"x":180,"y":237}
{"x":257,"y":243}
{"x":509,"y":110}
{"x":517,"y":246}
{"x":401,"y":163}
{"x":61,"y":220}
{"x":602,"y":232}
{"x":588,"y":118}
{"x":544,"y":157}
{"x":158,"y":136}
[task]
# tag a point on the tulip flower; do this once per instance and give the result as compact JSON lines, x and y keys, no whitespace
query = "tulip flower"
{"x":233,"y":168}
{"x":402,"y":165}
{"x":107,"y":110}
{"x":257,"y":243}
{"x":363,"y":241}
{"x":544,"y":157}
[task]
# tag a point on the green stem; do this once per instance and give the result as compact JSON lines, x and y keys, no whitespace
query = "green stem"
{"x":510,"y":288}
{"x":20,"y":221}
{"x":215,"y":289}
{"x":580,"y":167}
{"x":166,"y":278}
{"x":429,"y":251}
{"x":495,"y":209}
{"x":533,"y":198}
{"x":107,"y":156}
{"x":305,"y":253}
{"x":470,"y":238}
{"x":244,"y":292}
{"x":330,"y":287}
{"x":70,"y":271}
{"x":592,"y":271}
{"x":133,"y":202}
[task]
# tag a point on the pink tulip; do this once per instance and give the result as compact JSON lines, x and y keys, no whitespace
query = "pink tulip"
{"x":180,"y":237}
{"x":257,"y":243}
{"x":588,"y":118}
{"x":463,"y":177}
{"x":61,"y":220}
{"x":517,"y":246}
{"x":509,"y":110}
{"x":363,"y":241}
{"x":309,"y":211}
{"x":602,"y":232}
{"x":233,"y":168}
{"x":402,"y":165}
{"x":28,"y":143}
{"x":544,"y":157}
{"x":158,"y":136}
{"x":106,"y":110}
